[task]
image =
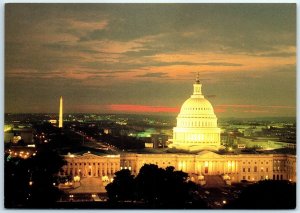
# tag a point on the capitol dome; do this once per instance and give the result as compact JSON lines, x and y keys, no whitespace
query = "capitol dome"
{"x":197,"y":106}
{"x":197,"y":127}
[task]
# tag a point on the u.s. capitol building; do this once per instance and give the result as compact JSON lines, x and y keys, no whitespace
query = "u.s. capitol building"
{"x":196,"y":133}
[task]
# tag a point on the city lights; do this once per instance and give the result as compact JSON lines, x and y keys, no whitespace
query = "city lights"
{"x":150,"y":106}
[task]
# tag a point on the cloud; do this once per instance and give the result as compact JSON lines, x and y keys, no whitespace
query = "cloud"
{"x":220,"y":64}
{"x":210,"y":96}
{"x":153,"y":75}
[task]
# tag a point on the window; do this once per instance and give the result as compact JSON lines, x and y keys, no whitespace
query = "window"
{"x":244,"y":170}
{"x":248,"y":169}
{"x":255,"y":168}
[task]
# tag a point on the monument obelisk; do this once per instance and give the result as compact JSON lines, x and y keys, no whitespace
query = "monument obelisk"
{"x":60,"y":123}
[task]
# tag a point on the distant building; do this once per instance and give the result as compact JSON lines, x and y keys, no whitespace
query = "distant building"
{"x":14,"y":135}
{"x":159,"y":140}
{"x":263,"y":143}
{"x":53,"y":121}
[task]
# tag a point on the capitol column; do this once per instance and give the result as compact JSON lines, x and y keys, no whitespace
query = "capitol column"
{"x":105,"y":168}
{"x":97,"y":169}
{"x":100,"y":169}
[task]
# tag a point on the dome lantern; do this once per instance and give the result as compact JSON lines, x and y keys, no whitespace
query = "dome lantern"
{"x":197,"y":88}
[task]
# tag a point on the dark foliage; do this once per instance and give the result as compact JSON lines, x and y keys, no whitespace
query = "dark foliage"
{"x":155,"y":187}
{"x":268,"y":194}
{"x":122,"y":187}
{"x":29,"y":182}
{"x":16,"y":188}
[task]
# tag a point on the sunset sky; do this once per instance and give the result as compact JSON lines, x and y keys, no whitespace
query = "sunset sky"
{"x":143,"y":58}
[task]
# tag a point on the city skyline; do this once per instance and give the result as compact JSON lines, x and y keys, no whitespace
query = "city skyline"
{"x":120,"y":58}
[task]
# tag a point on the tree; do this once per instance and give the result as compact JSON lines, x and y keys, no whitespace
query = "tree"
{"x":29,"y":182}
{"x":123,"y":186}
{"x":16,"y":187}
{"x":150,"y":181}
{"x":43,"y":167}
{"x":164,"y":188}
{"x":156,"y":187}
{"x":268,"y":194}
